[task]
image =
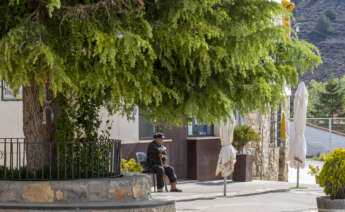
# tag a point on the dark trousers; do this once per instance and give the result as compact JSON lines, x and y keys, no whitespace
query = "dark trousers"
{"x":169,"y":171}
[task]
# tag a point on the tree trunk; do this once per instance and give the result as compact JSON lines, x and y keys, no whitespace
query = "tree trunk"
{"x":38,"y":135}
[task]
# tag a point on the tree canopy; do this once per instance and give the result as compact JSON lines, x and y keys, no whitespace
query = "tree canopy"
{"x":173,"y":59}
{"x":324,"y":25}
{"x":330,"y":98}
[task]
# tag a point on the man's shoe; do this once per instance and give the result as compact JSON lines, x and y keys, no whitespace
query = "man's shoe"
{"x":159,"y":190}
{"x":174,"y":188}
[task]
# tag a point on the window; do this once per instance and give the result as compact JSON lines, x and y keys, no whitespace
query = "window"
{"x":7,"y":93}
{"x":200,"y":129}
{"x":146,"y":129}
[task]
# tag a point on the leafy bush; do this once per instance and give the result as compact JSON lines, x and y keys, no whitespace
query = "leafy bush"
{"x":332,"y":175}
{"x":130,"y":166}
{"x":331,"y":14}
{"x":242,"y":135}
{"x":324,"y":25}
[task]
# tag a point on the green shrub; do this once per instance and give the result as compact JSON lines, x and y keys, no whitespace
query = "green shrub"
{"x":242,"y":135}
{"x":332,"y":175}
{"x":324,"y":25}
{"x":130,"y":166}
{"x":331,"y":14}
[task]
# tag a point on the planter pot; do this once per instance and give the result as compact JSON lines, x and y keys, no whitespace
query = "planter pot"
{"x":243,"y":168}
{"x":325,"y":204}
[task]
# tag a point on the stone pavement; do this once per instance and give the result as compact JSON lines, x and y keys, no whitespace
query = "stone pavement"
{"x":257,"y":196}
{"x":266,"y":196}
{"x":193,"y":190}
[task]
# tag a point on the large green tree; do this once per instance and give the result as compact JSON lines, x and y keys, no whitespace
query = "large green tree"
{"x":331,"y":99}
{"x":314,"y":109}
{"x":173,"y":59}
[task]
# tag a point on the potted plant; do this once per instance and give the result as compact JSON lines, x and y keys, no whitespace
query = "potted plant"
{"x":244,"y":163}
{"x":332,"y":178}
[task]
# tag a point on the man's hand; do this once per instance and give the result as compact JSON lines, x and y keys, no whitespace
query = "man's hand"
{"x":160,"y":155}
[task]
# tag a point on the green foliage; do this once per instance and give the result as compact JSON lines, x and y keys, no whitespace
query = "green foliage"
{"x":74,"y":161}
{"x":244,"y":134}
{"x":331,"y":14}
{"x":130,"y":166}
{"x":52,"y":5}
{"x":332,"y":175}
{"x":324,"y":25}
{"x":314,"y":89}
{"x":315,"y":109}
{"x":24,"y":172}
{"x":321,"y":157}
{"x":299,"y":187}
{"x":79,"y":121}
{"x":173,"y":59}
{"x":314,"y":170}
{"x":331,"y":100}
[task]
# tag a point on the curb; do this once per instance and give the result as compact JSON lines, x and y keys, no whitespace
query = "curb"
{"x":215,"y":196}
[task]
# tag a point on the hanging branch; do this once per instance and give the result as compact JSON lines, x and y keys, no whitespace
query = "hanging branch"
{"x":119,"y":4}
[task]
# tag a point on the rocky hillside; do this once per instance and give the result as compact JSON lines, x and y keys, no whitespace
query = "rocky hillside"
{"x":330,"y":41}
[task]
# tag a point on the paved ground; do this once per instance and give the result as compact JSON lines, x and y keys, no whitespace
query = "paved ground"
{"x":255,"y":196}
{"x":305,"y":178}
{"x":318,"y":140}
{"x":294,"y":201}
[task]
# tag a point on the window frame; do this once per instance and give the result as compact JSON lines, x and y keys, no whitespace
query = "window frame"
{"x":154,"y":128}
{"x":205,"y":135}
{"x":3,"y":86}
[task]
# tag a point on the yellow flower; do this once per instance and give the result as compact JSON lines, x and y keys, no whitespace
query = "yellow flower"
{"x":288,"y":5}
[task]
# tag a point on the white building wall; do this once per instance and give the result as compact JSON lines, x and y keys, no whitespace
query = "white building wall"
{"x":11,"y":119}
{"x":11,"y":123}
{"x":121,"y":128}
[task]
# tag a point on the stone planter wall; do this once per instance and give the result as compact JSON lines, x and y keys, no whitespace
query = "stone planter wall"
{"x":118,"y":206}
{"x":130,"y":193}
{"x":128,"y":187}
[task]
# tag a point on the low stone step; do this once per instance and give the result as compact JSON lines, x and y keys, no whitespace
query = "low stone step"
{"x":119,"y":206}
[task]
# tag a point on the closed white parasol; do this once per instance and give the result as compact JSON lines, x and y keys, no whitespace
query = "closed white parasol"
{"x":297,"y":151}
{"x":227,"y":155}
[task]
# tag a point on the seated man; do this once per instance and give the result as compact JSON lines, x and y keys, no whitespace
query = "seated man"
{"x":156,"y":157}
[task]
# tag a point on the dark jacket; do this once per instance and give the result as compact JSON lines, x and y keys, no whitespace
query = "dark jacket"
{"x":153,"y":152}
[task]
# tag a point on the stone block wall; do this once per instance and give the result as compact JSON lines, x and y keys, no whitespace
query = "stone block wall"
{"x":269,"y":159}
{"x":272,"y":171}
{"x":261,"y":124}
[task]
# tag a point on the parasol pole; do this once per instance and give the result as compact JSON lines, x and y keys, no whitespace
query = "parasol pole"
{"x":297,"y":176}
{"x":298,"y":164}
{"x":224,"y":186}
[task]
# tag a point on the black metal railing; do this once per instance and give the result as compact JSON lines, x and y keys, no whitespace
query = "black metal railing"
{"x":58,"y":160}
